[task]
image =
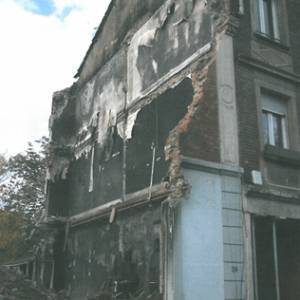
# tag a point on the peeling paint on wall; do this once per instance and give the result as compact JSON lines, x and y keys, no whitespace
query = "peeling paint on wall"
{"x":184,"y":21}
{"x":125,"y":130}
{"x":128,"y":122}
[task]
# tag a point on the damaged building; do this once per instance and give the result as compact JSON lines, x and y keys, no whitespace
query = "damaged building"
{"x":175,"y":155}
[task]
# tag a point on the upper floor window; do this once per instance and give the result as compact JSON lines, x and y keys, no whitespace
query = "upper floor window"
{"x":268,"y":18}
{"x":274,"y":120}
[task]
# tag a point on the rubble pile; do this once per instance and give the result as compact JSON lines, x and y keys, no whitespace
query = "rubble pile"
{"x":14,"y":286}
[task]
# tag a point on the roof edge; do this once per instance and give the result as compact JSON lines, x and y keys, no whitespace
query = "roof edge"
{"x":95,"y":38}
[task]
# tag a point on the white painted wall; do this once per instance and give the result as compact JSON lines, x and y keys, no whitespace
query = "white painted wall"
{"x":208,"y":258}
{"x":198,"y":244}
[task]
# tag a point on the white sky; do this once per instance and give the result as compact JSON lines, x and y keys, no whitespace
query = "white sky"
{"x":39,"y":55}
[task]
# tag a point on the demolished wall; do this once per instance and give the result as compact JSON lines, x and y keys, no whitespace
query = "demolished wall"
{"x":121,"y":135}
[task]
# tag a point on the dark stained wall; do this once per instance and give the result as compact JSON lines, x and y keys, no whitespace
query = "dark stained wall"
{"x":124,"y":256}
{"x":89,"y":167}
{"x":151,"y":129}
{"x":123,"y":15}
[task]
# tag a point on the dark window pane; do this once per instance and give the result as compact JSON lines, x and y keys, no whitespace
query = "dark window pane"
{"x":265,"y":126}
{"x":278,"y":130}
{"x":266,"y":283}
{"x":288,"y":241}
{"x":268,"y":17}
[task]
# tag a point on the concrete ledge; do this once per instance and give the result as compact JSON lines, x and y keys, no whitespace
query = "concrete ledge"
{"x":267,"y":193}
{"x":283,"y":156}
{"x":260,"y":65}
{"x":143,"y":197}
{"x":211,"y":167}
{"x":265,"y":207}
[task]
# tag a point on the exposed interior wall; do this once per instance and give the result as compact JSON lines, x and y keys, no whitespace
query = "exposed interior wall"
{"x":181,"y":30}
{"x":119,"y":19}
{"x":126,"y":127}
{"x":123,"y":256}
{"x":149,"y":135}
{"x":97,"y":150}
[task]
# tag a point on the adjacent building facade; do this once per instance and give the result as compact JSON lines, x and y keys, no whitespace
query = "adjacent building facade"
{"x":175,"y":155}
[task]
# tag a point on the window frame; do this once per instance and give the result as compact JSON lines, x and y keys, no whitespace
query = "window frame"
{"x":279,"y":225}
{"x":271,"y":111}
{"x":275,"y":256}
{"x":273,"y":33}
{"x":281,"y":37}
{"x":271,"y":133}
{"x":264,"y":82}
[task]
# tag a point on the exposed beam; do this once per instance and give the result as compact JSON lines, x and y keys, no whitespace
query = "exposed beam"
{"x":158,"y":192}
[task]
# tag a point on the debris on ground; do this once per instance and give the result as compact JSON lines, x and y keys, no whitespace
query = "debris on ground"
{"x":14,"y":286}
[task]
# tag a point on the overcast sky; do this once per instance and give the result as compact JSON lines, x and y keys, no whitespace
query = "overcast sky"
{"x":42,"y":45}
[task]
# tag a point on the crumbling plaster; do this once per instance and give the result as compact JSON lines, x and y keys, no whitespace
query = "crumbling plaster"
{"x":125,"y":125}
{"x":93,"y":110}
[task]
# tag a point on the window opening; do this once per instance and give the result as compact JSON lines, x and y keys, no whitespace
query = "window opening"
{"x":274,"y":123}
{"x":268,"y":18}
{"x":276,"y":255}
{"x":274,"y":129}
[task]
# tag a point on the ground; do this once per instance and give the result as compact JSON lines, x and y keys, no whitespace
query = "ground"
{"x":14,"y":286}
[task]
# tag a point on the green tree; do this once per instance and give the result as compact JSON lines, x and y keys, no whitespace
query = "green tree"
{"x":23,"y":190}
{"x":3,"y":164}
{"x":3,"y":175}
{"x":12,"y":236}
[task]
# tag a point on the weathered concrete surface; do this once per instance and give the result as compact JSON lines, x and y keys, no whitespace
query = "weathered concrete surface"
{"x":13,"y":286}
{"x":124,"y":255}
{"x":130,"y":123}
{"x":179,"y":29}
{"x":120,"y":18}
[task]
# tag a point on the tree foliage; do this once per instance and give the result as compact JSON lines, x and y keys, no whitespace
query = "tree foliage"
{"x":3,"y":164}
{"x":12,"y":236}
{"x":23,"y":189}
